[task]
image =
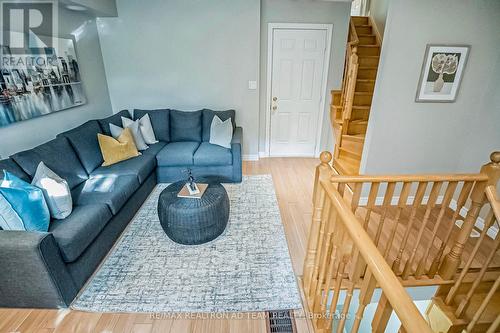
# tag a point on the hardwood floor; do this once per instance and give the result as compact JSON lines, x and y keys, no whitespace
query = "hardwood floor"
{"x":293,"y":180}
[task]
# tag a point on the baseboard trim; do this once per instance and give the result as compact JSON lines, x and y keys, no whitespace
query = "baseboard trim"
{"x":263,"y":154}
{"x":250,"y":157}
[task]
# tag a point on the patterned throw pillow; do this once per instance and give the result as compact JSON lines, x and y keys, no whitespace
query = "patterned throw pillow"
{"x":28,"y":202}
{"x":117,"y":150}
{"x":9,"y":219}
{"x":55,"y":190}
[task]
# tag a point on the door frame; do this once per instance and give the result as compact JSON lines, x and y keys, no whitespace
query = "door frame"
{"x":326,"y":65}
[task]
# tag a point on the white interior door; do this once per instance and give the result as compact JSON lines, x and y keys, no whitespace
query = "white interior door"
{"x":298,"y":61}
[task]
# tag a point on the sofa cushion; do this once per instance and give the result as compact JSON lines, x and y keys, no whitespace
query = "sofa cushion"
{"x":160,"y":119}
{"x":59,"y":156}
{"x":112,"y":190}
{"x":115,"y":119}
{"x":208,"y":116}
{"x":155,"y":148}
{"x":177,"y":154}
{"x":185,"y":126}
{"x":11,"y":166}
{"x":140,"y":166}
{"x":209,"y":154}
{"x":83,"y":139}
{"x":77,"y":231}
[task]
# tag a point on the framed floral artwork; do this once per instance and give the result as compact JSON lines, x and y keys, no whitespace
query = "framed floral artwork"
{"x":442,"y":72}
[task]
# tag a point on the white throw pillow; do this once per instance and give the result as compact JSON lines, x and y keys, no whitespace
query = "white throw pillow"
{"x":136,"y":132}
{"x":9,"y":219}
{"x":221,"y":132}
{"x":147,"y":130}
{"x":55,"y":190}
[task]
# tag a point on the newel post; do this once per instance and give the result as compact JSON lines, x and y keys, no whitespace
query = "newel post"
{"x":323,"y":171}
{"x":478,"y":197}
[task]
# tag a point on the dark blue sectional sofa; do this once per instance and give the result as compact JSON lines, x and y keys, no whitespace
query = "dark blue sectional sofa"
{"x":47,"y":269}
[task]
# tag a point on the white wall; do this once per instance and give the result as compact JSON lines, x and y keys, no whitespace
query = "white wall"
{"x":306,"y":11}
{"x":408,"y":137}
{"x":30,"y":133}
{"x":185,"y":55}
{"x":378,"y":11}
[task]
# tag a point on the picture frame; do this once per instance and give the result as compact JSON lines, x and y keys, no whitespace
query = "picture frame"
{"x":441,"y":74}
{"x":39,"y":82}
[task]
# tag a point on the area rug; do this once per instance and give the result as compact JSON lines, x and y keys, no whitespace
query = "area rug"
{"x":246,"y":269}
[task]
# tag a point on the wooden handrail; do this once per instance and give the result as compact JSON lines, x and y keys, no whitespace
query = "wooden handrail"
{"x":353,"y":34}
{"x":410,"y":178}
{"x":401,"y":302}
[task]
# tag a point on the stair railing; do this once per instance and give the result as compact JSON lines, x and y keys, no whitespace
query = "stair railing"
{"x":412,"y":218}
{"x":342,"y":256}
{"x":348,"y":83}
{"x":350,"y":75}
{"x":410,"y":221}
{"x":469,"y":289}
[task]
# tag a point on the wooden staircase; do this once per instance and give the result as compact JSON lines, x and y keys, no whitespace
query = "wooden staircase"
{"x":350,"y":107}
{"x":396,"y":231}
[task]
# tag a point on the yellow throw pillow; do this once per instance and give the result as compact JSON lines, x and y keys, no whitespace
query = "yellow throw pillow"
{"x":114,"y":151}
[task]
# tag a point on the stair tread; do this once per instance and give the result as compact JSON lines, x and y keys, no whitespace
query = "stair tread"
{"x":346,"y":167}
{"x":350,"y":150}
{"x":354,"y":137}
{"x":367,"y":67}
{"x":365,"y":80}
{"x":491,"y":310}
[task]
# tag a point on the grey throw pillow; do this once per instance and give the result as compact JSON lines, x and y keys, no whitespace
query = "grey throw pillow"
{"x":221,"y":132}
{"x":55,"y":190}
{"x":135,"y":127}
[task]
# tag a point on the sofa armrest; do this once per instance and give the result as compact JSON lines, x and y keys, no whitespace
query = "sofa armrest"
{"x":32,"y":272}
{"x":237,"y":136}
{"x":236,"y":150}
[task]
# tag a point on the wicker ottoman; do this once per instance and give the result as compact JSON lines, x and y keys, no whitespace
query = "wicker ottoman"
{"x":193,"y":221}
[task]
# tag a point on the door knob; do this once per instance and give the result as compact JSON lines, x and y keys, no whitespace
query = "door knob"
{"x":274,"y":108}
{"x":275,"y":99}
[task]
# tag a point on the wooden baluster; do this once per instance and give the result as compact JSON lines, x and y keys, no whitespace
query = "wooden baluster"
{"x":372,"y":198}
{"x":321,"y":250}
{"x":357,"y":268}
{"x":340,"y":267}
{"x":348,"y":298}
{"x":322,"y":171}
{"x":436,"y":187}
{"x":341,"y":188}
{"x":450,"y":191}
{"x":465,"y":302}
{"x":326,"y":255}
{"x":382,"y":315}
{"x":462,"y":199}
{"x":356,"y":195}
{"x":365,"y":296}
{"x":483,"y":305}
{"x":416,"y":203}
{"x":478,"y":197}
{"x":336,"y":240}
{"x":493,"y":327}
{"x":402,"y":203}
{"x":453,"y":290}
{"x":386,"y":204}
